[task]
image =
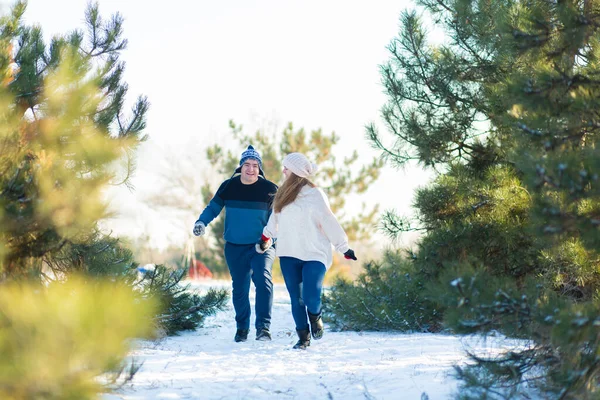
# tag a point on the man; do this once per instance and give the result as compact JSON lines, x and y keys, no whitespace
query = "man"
{"x":247,"y":199}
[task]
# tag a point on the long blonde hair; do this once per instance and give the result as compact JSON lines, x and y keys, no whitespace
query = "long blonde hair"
{"x":289,"y":190}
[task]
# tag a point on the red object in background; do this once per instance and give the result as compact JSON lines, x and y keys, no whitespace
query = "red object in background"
{"x":198,"y":270}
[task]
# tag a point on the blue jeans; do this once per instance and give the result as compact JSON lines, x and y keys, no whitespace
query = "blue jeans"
{"x":246,"y":264}
{"x":304,"y":281}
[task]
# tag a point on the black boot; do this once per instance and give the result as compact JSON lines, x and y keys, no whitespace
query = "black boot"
{"x":316,"y":325}
{"x":304,"y":339}
{"x":241,"y":335}
{"x":263,"y":334}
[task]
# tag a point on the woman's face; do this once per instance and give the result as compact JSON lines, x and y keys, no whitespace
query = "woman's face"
{"x":286,"y":172}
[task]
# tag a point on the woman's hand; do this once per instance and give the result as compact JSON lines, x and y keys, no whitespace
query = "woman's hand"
{"x":349,"y":255}
{"x":263,"y":244}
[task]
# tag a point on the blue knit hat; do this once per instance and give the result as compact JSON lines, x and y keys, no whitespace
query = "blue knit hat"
{"x":251,"y":153}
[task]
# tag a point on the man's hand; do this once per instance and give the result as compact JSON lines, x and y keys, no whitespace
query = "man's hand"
{"x":199,"y":228}
{"x":349,"y":255}
{"x":263,"y":244}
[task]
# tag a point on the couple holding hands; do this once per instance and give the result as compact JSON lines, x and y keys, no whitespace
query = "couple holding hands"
{"x":293,"y":222}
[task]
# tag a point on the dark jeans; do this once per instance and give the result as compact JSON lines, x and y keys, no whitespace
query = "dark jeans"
{"x":244,"y":264}
{"x":304,"y":281}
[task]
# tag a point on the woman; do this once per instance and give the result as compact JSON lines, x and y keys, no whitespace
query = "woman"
{"x":305,"y":229}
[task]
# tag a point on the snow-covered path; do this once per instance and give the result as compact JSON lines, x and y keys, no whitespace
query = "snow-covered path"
{"x":208,"y":364}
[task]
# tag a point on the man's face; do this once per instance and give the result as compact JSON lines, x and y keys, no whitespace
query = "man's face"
{"x":250,"y":171}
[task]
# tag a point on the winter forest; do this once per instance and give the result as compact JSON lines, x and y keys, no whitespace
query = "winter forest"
{"x":497,"y":296}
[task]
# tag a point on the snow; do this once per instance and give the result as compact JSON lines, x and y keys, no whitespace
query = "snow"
{"x":208,"y":364}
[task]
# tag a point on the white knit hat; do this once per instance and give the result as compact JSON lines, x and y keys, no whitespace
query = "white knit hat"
{"x":299,"y":165}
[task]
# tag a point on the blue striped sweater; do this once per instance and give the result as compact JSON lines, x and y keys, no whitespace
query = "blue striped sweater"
{"x":247,"y":209}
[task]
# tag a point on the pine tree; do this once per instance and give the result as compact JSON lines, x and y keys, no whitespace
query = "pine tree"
{"x":65,"y":136}
{"x":183,"y":308}
{"x":69,"y":340}
{"x":505,"y":109}
{"x":373,"y":302}
{"x":66,"y":130}
{"x":58,"y":144}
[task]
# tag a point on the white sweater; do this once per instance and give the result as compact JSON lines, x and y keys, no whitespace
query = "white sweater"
{"x":306,"y":229}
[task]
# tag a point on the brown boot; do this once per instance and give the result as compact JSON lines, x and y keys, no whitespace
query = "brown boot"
{"x":316,"y":325}
{"x":304,"y":339}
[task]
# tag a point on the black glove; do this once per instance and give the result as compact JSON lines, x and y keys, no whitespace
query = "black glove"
{"x":349,"y":255}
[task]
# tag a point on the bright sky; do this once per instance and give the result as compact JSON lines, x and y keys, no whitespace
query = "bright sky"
{"x":201,"y":63}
